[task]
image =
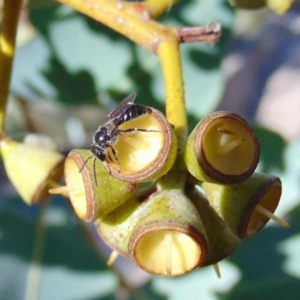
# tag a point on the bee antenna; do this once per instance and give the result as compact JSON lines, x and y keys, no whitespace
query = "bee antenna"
{"x":85,"y":162}
{"x":94,"y":168}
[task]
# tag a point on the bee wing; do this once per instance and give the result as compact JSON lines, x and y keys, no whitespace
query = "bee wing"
{"x":123,"y":106}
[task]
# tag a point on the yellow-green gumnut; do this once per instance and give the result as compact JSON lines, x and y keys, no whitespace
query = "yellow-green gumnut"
{"x":169,"y":238}
{"x":248,"y":4}
{"x":246,"y":206}
{"x":280,"y":6}
{"x":222,"y":148}
{"x":222,"y":242}
{"x":115,"y":228}
{"x":93,"y":192}
{"x":31,"y":169}
{"x":147,"y":151}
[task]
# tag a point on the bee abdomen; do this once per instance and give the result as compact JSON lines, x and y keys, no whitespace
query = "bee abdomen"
{"x":133,"y":112}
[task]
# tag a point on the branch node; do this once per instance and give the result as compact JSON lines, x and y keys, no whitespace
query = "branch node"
{"x":209,"y":33}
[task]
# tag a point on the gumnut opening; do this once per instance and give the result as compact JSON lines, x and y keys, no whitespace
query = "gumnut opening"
{"x":93,"y":192}
{"x":169,"y":239}
{"x":145,"y":149}
{"x":243,"y":205}
{"x":222,"y":148}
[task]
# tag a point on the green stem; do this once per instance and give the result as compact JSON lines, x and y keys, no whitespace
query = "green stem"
{"x":11,"y":11}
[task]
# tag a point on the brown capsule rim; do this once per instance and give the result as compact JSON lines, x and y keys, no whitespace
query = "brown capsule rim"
{"x":169,"y":226}
{"x":88,"y":183}
{"x":255,"y":200}
{"x":155,"y":166}
{"x":201,"y":129}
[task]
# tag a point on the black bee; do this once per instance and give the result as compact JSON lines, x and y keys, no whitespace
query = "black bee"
{"x":108,"y":133}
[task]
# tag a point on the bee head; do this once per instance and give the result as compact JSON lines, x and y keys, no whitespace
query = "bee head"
{"x":99,"y":152}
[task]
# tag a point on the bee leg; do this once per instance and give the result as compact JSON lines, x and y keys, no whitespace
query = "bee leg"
{"x":109,"y":156}
{"x":114,"y":152}
{"x":85,"y":162}
{"x":138,"y":129}
{"x":94,"y":168}
{"x":107,"y":166}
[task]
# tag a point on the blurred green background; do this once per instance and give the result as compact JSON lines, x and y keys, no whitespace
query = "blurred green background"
{"x":70,"y":71}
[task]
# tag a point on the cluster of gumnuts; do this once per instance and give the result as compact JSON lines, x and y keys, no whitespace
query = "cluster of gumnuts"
{"x":170,"y":210}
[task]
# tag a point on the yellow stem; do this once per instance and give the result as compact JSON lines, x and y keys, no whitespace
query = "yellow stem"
{"x":169,"y":54}
{"x":124,"y":18}
{"x":134,"y":23}
{"x":11,"y":11}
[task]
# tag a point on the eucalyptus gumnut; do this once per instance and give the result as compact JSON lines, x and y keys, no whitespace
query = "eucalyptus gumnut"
{"x":115,"y":228}
{"x":162,"y":233}
{"x":222,"y":148}
{"x":145,"y":153}
{"x":280,"y":6}
{"x":246,"y":207}
{"x":31,"y":169}
{"x":93,"y":192}
{"x":222,"y":241}
{"x":169,"y":238}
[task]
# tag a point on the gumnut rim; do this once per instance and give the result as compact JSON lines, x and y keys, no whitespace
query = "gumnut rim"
{"x":144,"y":155}
{"x":268,"y":197}
{"x":93,"y":192}
{"x":172,"y":256}
{"x":238,"y":163}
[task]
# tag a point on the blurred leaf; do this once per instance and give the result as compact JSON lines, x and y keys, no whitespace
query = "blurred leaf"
{"x":198,"y":284}
{"x":42,"y":13}
{"x":71,"y":88}
{"x":87,"y":58}
{"x":204,"y":82}
{"x":290,"y":177}
{"x":71,"y":60}
{"x":272,"y":146}
{"x":147,"y":292}
{"x":261,"y":264}
{"x":70,"y":269}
